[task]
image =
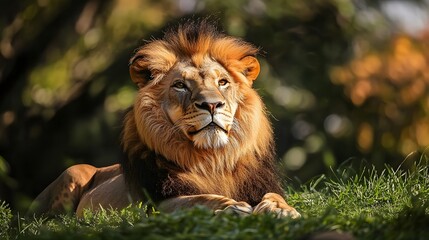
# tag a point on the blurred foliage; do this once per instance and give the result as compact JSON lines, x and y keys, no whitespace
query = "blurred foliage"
{"x":342,"y":79}
{"x":392,"y":84}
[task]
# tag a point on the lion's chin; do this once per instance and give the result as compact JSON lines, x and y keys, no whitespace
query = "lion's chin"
{"x":212,"y":137}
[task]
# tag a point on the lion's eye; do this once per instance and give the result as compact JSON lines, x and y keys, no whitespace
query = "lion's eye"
{"x":179,"y":85}
{"x":222,"y":82}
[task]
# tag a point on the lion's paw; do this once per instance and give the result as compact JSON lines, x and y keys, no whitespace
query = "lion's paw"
{"x":237,"y":208}
{"x":274,"y":203}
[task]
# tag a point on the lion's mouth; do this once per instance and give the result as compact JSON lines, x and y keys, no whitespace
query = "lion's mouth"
{"x":210,"y":126}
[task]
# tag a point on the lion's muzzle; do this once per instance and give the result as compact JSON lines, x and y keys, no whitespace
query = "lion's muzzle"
{"x":210,"y":107}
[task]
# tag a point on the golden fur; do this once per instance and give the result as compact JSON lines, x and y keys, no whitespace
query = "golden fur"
{"x":159,"y":57}
{"x":198,"y":133}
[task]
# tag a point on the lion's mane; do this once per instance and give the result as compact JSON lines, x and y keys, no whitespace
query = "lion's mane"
{"x":160,"y":160}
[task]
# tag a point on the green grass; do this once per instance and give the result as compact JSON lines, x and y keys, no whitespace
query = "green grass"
{"x":392,"y":204}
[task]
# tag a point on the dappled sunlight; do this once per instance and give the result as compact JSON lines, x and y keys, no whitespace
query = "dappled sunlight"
{"x":64,"y":73}
{"x":421,"y":131}
{"x":396,"y":80}
{"x":295,"y":158}
{"x":293,"y":98}
{"x":365,"y":137}
{"x":120,"y":101}
{"x":402,"y":67}
{"x":8,"y":118}
{"x":337,"y":126}
{"x":129,"y":19}
{"x":314,"y":143}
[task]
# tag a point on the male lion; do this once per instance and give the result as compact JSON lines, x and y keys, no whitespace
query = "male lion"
{"x":198,"y":134}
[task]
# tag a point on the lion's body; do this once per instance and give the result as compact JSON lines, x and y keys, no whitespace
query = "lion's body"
{"x":197,"y":134}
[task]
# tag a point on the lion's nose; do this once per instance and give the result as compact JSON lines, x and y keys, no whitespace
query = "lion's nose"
{"x":211,"y":107}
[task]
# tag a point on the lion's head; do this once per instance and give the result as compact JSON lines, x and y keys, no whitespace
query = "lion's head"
{"x":195,"y":104}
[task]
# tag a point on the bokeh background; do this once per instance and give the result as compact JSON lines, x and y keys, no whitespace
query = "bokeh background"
{"x":344,"y":81}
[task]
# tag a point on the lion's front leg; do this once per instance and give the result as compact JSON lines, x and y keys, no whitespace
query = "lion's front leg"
{"x":274,"y":203}
{"x":217,"y":203}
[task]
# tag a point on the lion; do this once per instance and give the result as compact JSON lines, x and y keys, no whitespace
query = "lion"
{"x":197,"y":134}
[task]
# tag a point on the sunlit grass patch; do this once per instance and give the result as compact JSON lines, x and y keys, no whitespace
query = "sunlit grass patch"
{"x":392,"y":204}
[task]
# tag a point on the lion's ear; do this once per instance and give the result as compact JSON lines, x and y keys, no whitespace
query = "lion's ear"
{"x":139,"y":71}
{"x":252,"y":67}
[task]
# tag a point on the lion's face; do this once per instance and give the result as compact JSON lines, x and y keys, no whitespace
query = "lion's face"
{"x":202,"y":102}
